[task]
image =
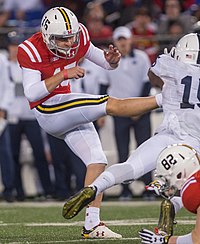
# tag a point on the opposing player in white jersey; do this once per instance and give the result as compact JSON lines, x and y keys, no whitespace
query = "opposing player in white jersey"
{"x":49,"y":59}
{"x":179,"y":74}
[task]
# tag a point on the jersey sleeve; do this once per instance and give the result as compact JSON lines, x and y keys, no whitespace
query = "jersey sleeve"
{"x":163,"y":66}
{"x":84,"y":33}
{"x":34,"y":88}
{"x":24,"y":57}
{"x":96,"y":55}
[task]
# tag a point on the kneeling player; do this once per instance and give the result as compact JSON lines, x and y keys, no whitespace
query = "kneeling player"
{"x":178,"y":168}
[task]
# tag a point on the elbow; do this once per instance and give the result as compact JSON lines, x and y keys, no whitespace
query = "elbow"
{"x":35,"y":92}
{"x":30,"y":96}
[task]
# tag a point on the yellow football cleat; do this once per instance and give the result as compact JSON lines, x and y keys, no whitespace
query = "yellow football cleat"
{"x":166,"y":220}
{"x":77,"y":202}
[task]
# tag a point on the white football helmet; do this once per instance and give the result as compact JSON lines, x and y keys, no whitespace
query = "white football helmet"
{"x":187,"y":49}
{"x":175,"y":165}
{"x":60,"y":23}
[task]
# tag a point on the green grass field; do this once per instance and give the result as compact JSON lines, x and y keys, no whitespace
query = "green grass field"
{"x":43,"y":223}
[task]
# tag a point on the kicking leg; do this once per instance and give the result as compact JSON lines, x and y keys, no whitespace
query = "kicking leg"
{"x":131,"y":106}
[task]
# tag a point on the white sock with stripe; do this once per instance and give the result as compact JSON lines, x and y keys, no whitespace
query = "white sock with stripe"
{"x":92,"y":217}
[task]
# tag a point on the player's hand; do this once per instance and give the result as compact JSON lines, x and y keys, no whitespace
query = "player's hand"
{"x":149,"y":237}
{"x":75,"y":72}
{"x":112,"y":56}
{"x":155,"y":186}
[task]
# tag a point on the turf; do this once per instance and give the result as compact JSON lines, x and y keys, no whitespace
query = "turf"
{"x":43,"y":222}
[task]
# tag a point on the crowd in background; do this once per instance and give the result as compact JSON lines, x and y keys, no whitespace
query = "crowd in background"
{"x":152,"y":22}
{"x":153,"y":25}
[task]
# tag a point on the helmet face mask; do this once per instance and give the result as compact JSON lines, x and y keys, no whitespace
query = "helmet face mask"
{"x":175,"y":165}
{"x":167,"y":191}
{"x":187,"y":49}
{"x":61,"y":24}
{"x":64,"y":52}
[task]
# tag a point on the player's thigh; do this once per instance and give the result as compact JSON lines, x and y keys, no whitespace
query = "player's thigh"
{"x":69,"y":112}
{"x":85,"y":143}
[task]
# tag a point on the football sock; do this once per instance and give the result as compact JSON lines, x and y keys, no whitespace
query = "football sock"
{"x":92,"y":218}
{"x":115,"y":174}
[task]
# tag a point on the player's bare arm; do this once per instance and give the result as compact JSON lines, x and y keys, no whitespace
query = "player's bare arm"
{"x":155,"y":80}
{"x":75,"y":72}
{"x":112,"y":56}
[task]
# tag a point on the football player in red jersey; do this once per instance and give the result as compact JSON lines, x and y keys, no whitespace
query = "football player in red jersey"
{"x":178,"y":168}
{"x":49,"y":59}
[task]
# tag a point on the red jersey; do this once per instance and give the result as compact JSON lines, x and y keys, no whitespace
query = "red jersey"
{"x":190,"y":193}
{"x":34,"y":54}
